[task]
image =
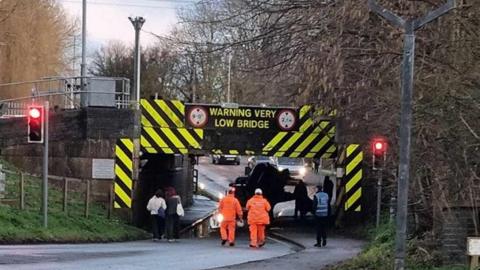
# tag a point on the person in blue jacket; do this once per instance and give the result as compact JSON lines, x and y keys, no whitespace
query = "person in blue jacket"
{"x":321,"y":210}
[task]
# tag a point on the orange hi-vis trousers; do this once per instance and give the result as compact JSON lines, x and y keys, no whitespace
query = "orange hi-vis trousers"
{"x":230,"y":227}
{"x":257,"y":234}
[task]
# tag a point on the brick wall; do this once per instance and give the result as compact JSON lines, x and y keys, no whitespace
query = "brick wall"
{"x":457,"y":225}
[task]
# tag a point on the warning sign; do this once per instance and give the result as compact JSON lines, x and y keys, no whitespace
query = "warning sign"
{"x":197,"y":117}
{"x":215,"y":116}
{"x":286,"y":120}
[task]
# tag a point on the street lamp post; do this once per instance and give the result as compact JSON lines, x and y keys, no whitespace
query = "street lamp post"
{"x":409,"y":26}
{"x":84,"y":42}
{"x":226,"y":39}
{"x":137,"y":23}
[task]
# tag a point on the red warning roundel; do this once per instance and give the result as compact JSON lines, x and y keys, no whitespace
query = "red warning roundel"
{"x":286,"y":119}
{"x":197,"y":116}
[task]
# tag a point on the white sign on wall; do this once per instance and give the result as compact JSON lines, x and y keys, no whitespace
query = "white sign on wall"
{"x":473,"y":246}
{"x":103,"y":168}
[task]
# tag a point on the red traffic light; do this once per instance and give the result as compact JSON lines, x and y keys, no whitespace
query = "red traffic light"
{"x":379,"y":146}
{"x":35,"y":124}
{"x":34,"y":113}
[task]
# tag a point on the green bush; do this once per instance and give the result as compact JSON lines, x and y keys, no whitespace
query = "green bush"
{"x":379,"y":253}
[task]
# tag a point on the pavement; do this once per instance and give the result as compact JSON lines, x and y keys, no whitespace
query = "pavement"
{"x":338,"y":249}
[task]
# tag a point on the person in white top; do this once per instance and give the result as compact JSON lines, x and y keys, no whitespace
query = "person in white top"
{"x":156,"y":205}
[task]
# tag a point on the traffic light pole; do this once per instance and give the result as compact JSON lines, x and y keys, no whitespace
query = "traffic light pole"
{"x":45,"y":167}
{"x":379,"y":196}
{"x":409,"y":27}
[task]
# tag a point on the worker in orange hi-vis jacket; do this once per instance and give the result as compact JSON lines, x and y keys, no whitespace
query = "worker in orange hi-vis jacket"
{"x":258,"y":208}
{"x":229,"y":207}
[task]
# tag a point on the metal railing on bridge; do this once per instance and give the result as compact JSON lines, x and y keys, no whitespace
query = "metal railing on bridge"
{"x":64,"y":93}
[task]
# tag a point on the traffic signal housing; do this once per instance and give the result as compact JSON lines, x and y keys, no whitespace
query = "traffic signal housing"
{"x":379,"y":152}
{"x":36,"y":117}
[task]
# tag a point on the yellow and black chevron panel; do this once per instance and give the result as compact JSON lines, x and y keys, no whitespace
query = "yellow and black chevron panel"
{"x":123,"y":173}
{"x":170,"y":140}
{"x":311,"y":141}
{"x":162,"y":113}
{"x":163,"y":129}
{"x":353,"y":177}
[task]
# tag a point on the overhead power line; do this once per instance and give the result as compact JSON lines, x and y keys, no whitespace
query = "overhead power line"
{"x":121,"y":4}
{"x":169,"y":1}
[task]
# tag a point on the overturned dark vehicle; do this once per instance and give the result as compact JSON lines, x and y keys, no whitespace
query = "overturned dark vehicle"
{"x":266,"y":177}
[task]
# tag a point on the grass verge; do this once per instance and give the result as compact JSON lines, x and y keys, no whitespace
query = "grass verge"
{"x":26,"y":226}
{"x":379,"y":253}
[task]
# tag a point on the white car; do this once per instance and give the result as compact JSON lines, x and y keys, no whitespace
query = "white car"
{"x":296,"y":166}
{"x":254,"y":160}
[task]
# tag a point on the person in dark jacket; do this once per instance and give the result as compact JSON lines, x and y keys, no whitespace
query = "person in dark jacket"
{"x":316,"y":164}
{"x":301,"y":200}
{"x":328,"y":188}
{"x":172,"y":215}
{"x":321,"y":210}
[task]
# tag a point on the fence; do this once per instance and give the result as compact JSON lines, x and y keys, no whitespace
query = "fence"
{"x":64,"y":193}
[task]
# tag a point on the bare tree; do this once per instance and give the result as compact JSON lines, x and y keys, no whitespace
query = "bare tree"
{"x":33,"y":38}
{"x":335,"y":54}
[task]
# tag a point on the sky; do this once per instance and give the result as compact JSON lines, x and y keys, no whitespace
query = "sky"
{"x":108,"y":19}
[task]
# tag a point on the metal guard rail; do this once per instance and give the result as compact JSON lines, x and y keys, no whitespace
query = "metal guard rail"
{"x":64,"y":93}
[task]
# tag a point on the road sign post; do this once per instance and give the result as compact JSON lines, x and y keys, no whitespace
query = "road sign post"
{"x":409,"y":26}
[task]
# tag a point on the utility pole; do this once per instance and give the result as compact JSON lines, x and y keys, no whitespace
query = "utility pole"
{"x":229,"y":75}
{"x":45,"y":167}
{"x":137,"y":25}
{"x":194,"y":84}
{"x":84,"y":42}
{"x":74,"y":53}
{"x":409,"y":26}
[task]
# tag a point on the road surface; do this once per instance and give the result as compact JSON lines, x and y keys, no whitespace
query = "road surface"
{"x":185,"y":254}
